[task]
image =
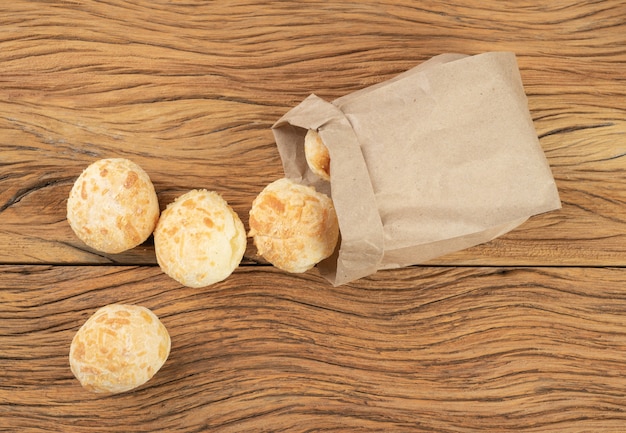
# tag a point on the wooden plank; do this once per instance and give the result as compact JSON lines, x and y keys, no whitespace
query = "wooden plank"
{"x":190,"y":91}
{"x":421,"y":349}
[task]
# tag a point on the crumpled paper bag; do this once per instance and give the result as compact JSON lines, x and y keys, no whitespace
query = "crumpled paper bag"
{"x":437,"y":159}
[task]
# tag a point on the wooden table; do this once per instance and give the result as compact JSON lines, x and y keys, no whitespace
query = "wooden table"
{"x":524,"y":333}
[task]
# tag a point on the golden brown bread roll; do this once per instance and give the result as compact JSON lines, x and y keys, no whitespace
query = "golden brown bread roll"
{"x":316,"y":154}
{"x":294,"y":227}
{"x":199,"y":239}
{"x":112,"y":206}
{"x":119,"y":348}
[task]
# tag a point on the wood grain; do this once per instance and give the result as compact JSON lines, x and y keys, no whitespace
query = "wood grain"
{"x":525,"y":333}
{"x":422,"y":349}
{"x":189,"y":91}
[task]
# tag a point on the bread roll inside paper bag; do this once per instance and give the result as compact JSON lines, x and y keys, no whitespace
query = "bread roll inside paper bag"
{"x":440,"y":158}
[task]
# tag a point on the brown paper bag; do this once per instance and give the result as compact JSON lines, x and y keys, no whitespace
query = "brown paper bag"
{"x":440,"y":158}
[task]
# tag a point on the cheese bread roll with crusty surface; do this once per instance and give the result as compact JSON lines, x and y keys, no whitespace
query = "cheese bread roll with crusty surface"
{"x":316,"y":154}
{"x":294,"y":227}
{"x":119,"y":348}
{"x":199,"y":239}
{"x":112,"y":206}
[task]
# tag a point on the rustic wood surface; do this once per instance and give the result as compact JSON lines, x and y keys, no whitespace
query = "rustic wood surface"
{"x":524,"y":333}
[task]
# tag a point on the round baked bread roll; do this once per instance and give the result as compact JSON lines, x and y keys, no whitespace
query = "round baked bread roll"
{"x":199,"y":239}
{"x":112,"y":206}
{"x":316,"y":154}
{"x":294,"y":227}
{"x":119,"y":348}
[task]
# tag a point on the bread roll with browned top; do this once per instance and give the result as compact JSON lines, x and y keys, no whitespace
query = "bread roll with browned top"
{"x":294,"y":227}
{"x":316,"y":154}
{"x":119,"y":348}
{"x":113,"y":206}
{"x":199,"y":239}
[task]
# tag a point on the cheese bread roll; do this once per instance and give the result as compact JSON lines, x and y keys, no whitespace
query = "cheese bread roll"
{"x":316,"y":154}
{"x":293,"y":226}
{"x":119,"y":348}
{"x":112,"y":206}
{"x":199,"y":239}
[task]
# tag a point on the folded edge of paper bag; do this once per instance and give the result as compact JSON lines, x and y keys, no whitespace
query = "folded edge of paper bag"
{"x":361,"y":245}
{"x":403,"y":257}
